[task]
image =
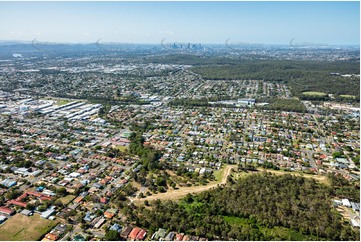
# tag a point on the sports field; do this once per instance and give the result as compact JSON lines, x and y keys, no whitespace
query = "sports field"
{"x":24,"y":228}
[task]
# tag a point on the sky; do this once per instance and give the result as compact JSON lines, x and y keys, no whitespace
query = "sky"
{"x":333,"y":23}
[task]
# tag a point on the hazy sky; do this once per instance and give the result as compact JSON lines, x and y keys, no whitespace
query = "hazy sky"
{"x":194,"y":22}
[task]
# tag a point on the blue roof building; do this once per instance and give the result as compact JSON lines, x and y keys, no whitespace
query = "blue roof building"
{"x":116,"y":227}
{"x":8,"y":183}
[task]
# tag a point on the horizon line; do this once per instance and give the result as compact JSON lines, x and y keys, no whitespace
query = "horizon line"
{"x":240,"y":43}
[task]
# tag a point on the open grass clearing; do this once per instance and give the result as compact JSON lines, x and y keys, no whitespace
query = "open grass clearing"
{"x":319,"y":178}
{"x":122,"y":148}
{"x":218,"y":174}
{"x":23,"y":228}
{"x":319,"y":94}
{"x":348,"y":96}
{"x":243,"y":174}
{"x":61,"y":101}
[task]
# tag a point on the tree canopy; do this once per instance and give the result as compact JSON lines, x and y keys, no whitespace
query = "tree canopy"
{"x":257,"y":207}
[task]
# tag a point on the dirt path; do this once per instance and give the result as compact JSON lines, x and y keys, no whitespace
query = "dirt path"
{"x":183,"y":191}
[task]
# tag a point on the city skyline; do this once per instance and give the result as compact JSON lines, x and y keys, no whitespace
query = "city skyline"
{"x":317,"y":23}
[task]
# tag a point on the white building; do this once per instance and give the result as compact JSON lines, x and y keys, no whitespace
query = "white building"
{"x":346,"y":202}
{"x":48,"y":213}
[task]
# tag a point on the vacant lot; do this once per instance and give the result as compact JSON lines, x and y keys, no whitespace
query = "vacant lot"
{"x":321,"y":94}
{"x":21,"y":227}
{"x":67,"y":199}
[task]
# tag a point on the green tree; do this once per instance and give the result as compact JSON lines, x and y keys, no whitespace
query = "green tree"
{"x":112,"y":235}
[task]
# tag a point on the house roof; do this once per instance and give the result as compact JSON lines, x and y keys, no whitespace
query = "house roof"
{"x":17,"y":203}
{"x":116,"y":227}
{"x":185,"y":238}
{"x":52,"y":236}
{"x":26,"y":212}
{"x":78,"y":199}
{"x":161,"y":233}
{"x":141,"y":235}
{"x":133,"y":234}
{"x":46,"y":239}
{"x":108,"y":214}
{"x":6,"y":210}
{"x":126,"y":231}
{"x":179,"y":237}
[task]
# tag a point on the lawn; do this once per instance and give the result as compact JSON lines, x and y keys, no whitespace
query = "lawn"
{"x":63,"y":102}
{"x":320,"y":94}
{"x":67,"y":199}
{"x":23,"y":228}
{"x":122,"y":148}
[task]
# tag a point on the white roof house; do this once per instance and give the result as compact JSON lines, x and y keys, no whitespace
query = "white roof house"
{"x":48,"y":213}
{"x":74,"y":174}
{"x":355,"y":223}
{"x":346,"y":202}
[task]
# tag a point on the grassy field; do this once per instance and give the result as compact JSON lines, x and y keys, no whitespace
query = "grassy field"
{"x":122,"y":148}
{"x":60,"y":101}
{"x":219,"y":174}
{"x":321,"y":94}
{"x":238,"y":175}
{"x":63,"y":102}
{"x":319,"y":178}
{"x":67,"y":199}
{"x":348,"y":96}
{"x":23,"y":228}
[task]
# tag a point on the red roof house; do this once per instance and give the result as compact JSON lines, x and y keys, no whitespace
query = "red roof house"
{"x":6,"y":210}
{"x":133,"y":234}
{"x":141,"y":235}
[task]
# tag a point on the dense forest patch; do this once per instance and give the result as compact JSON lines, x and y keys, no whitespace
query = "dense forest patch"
{"x":258,"y":207}
{"x":301,"y":76}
